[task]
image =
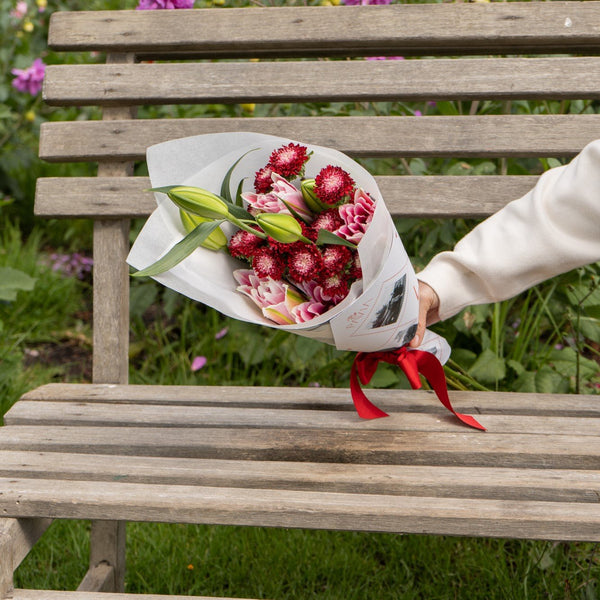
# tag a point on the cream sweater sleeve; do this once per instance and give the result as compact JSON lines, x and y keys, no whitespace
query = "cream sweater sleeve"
{"x":552,"y":229}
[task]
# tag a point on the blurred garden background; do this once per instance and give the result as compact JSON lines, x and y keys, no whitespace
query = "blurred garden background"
{"x":545,"y":340}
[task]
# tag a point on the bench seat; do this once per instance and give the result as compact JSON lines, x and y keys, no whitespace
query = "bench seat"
{"x":301,"y":457}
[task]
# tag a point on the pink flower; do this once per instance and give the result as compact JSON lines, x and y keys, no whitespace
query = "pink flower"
{"x":357,"y":217}
{"x":268,"y":294}
{"x":286,"y":192}
{"x":273,"y":202}
{"x":20,"y":10}
{"x":222,"y":333}
{"x":384,"y":58}
{"x":365,"y":2}
{"x":264,"y":203}
{"x":313,"y":290}
{"x":164,"y":4}
{"x":307,"y":310}
{"x":30,"y":80}
{"x":198,"y":363}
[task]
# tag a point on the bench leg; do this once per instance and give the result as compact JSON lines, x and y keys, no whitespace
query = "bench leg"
{"x":17,"y":537}
{"x":107,"y":558}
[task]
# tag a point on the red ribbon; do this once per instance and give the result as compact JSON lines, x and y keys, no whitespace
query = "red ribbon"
{"x":413,"y":363}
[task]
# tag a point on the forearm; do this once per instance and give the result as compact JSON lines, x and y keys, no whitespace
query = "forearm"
{"x":552,"y":229}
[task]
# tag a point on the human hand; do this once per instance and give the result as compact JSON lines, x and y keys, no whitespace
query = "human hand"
{"x":429,"y":304}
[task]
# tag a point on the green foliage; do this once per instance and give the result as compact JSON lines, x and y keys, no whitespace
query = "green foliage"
{"x":45,"y":314}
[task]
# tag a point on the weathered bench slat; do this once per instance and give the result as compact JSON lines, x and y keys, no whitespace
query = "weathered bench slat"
{"x":406,"y":196}
{"x":123,"y":415}
{"x":461,"y":447}
{"x":567,"y":405}
{"x":466,"y":136}
{"x":448,"y":481}
{"x":283,"y":508}
{"x":499,"y":28}
{"x":358,"y":81}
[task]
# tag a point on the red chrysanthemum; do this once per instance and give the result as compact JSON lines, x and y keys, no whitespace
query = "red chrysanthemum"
{"x":244,"y":244}
{"x":267,"y":262}
{"x":329,"y":219}
{"x":304,"y":262}
{"x":263,"y":181}
{"x":355,"y":271}
{"x":335,"y":259}
{"x":335,"y":286}
{"x":288,"y":161}
{"x":333,"y":185}
{"x":309,"y":232}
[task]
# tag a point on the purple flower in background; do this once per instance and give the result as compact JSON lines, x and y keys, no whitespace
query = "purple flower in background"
{"x":71,"y":265}
{"x":30,"y":80}
{"x":198,"y":363}
{"x":222,"y":333}
{"x":384,"y":58}
{"x":164,"y":4}
{"x":365,"y":2}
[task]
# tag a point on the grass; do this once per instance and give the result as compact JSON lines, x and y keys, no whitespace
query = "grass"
{"x":263,"y":563}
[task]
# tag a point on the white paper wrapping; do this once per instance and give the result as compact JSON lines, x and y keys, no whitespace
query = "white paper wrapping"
{"x":381,"y":311}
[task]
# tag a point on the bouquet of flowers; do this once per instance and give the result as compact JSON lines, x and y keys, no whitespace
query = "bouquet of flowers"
{"x":293,"y":236}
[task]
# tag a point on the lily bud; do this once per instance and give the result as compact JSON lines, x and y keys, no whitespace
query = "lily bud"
{"x":281,"y":227}
{"x":199,"y":202}
{"x":215,"y":241}
{"x":307,"y":187}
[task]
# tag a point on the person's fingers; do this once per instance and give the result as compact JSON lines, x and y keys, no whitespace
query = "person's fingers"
{"x":428,"y":312}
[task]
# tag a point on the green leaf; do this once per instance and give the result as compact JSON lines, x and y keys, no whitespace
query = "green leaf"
{"x":548,"y":381}
{"x":165,"y":189}
{"x":306,"y":348}
{"x":142,"y":296}
{"x":516,"y":366}
{"x":238,"y":194}
{"x":593,"y":311}
{"x":293,"y":211}
{"x":180,"y":250}
{"x":488,"y":368}
{"x":225,"y":193}
{"x":385,"y":376}
{"x":238,"y":212}
{"x":12,"y":281}
{"x":326,"y":237}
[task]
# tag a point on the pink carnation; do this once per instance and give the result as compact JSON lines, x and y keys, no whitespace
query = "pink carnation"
{"x":30,"y":80}
{"x":357,"y":217}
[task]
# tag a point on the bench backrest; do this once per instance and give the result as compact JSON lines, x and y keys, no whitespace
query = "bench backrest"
{"x":472,"y":52}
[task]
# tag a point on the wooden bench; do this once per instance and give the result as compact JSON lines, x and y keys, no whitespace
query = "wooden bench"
{"x":112,"y":452}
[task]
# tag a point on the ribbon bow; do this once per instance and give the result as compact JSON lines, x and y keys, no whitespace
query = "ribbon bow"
{"x":413,"y":363}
